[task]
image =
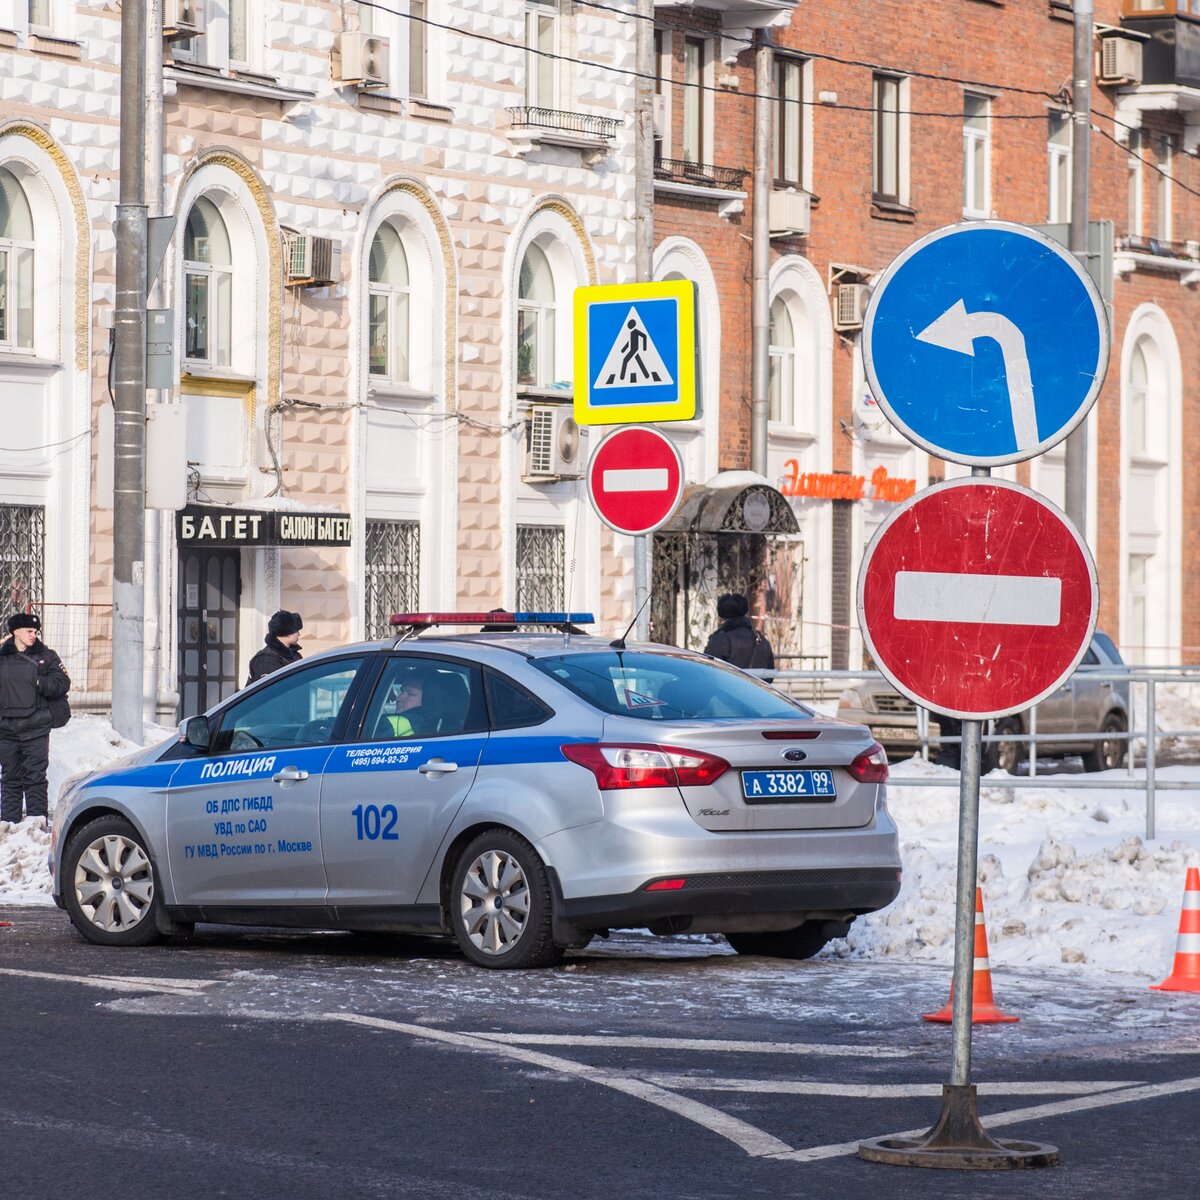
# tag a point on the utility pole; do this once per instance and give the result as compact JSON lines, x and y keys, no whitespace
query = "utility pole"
{"x":129,"y":387}
{"x":1081,"y":104}
{"x":643,"y":226}
{"x":760,"y":257}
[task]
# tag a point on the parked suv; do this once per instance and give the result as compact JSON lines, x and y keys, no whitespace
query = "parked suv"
{"x":1085,"y":704}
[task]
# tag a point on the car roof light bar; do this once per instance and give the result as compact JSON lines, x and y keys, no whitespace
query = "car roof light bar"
{"x":424,"y":620}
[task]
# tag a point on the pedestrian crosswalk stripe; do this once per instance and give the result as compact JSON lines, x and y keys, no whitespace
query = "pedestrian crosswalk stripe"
{"x":634,"y":360}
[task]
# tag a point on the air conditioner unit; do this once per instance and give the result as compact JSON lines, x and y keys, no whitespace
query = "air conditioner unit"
{"x":660,"y":116}
{"x":852,"y":301}
{"x":360,"y":58}
{"x":1120,"y":60}
{"x":555,"y":449}
{"x":309,"y":260}
{"x":182,"y":19}
{"x":789,"y":213}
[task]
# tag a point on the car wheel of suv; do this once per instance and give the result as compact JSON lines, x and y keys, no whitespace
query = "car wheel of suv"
{"x":500,"y":905}
{"x":1108,"y":753}
{"x":802,"y":942}
{"x":1005,"y":755}
{"x":109,"y":886}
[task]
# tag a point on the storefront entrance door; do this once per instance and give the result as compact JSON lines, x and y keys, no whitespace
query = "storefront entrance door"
{"x":210,"y":582}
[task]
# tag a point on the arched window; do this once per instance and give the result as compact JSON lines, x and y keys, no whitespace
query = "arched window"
{"x":208,"y":286}
{"x":1138,"y":394}
{"x":782,"y":361}
{"x":16,"y":265}
{"x":535,"y":320}
{"x":388,"y":349}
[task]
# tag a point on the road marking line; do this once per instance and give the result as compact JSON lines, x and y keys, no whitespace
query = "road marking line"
{"x":977,"y":599}
{"x":1015,"y":1116}
{"x":700,"y":1044}
{"x":635,"y":479}
{"x":755,"y":1142}
{"x":119,"y":983}
{"x":882,"y":1091}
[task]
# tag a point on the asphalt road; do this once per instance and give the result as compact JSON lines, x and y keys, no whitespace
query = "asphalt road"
{"x":246,"y":1063}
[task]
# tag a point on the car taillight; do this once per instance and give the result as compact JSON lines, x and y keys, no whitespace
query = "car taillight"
{"x":871,"y":765}
{"x":634,"y":765}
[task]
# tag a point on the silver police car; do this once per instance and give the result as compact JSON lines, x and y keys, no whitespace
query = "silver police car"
{"x":520,"y":791}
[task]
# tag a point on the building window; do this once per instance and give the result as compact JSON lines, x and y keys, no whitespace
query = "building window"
{"x":239,"y":40}
{"x":1136,"y":219}
{"x":418,"y":49}
{"x":1058,"y":152}
{"x":22,"y":555}
{"x":694,"y":55}
{"x":782,"y":360}
{"x":541,"y":42}
{"x":889,"y":140}
{"x":389,"y":310}
{"x":393,"y":574}
{"x":16,"y":265}
{"x":541,"y":562}
{"x":1136,"y":403}
{"x":207,"y":286}
{"x":535,"y":320}
{"x":977,"y":155}
{"x":662,"y":93}
{"x":40,"y":16}
{"x":790,"y":119}
{"x":403,"y":25}
{"x":1163,"y":214}
{"x":1135,"y":639}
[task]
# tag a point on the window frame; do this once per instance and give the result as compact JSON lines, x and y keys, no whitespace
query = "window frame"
{"x":791,"y":121}
{"x":977,"y":144}
{"x":782,"y":359}
{"x":694,"y":101}
{"x":1135,"y":186}
{"x":391,"y":293}
{"x":393,"y":662}
{"x":542,"y":72}
{"x":546,"y":339}
{"x":214,"y":273}
{"x":1059,"y":161}
{"x":1165,"y":151}
{"x":897,"y":141}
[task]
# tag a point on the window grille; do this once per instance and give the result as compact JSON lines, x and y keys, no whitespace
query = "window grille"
{"x":393,"y":574}
{"x":22,"y":555}
{"x":541,"y":562}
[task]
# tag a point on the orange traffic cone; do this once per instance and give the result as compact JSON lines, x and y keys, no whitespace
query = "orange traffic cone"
{"x":983,"y":1004}
{"x":1185,"y":973}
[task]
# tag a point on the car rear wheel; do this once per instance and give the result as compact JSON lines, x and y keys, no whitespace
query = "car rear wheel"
{"x":500,"y":904}
{"x":1005,"y":755}
{"x":802,"y":942}
{"x":109,"y":884}
{"x":1108,"y":753}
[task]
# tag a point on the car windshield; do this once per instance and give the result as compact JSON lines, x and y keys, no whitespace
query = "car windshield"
{"x":668,"y":687}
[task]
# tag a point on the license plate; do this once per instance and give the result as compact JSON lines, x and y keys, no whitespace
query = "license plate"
{"x":894,"y":733}
{"x":778,"y":787}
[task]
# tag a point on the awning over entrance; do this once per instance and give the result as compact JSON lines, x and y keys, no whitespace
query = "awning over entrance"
{"x":733,"y":502}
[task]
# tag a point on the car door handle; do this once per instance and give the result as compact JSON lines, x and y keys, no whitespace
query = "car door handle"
{"x":290,"y":775}
{"x":437,"y":766}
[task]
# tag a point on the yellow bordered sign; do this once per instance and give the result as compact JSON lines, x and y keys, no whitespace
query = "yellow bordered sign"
{"x":635,"y":353}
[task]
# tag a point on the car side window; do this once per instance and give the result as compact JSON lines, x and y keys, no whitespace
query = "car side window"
{"x":300,"y":709}
{"x":1091,"y":658}
{"x":510,"y":706}
{"x":424,"y":697}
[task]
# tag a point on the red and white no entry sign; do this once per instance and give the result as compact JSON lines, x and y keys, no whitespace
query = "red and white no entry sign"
{"x":635,"y":479}
{"x":977,"y":598}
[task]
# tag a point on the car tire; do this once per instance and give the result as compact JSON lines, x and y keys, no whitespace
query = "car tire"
{"x":803,"y":942}
{"x":110,"y":885}
{"x":501,"y":905}
{"x":1006,"y":755}
{"x":1109,"y":753}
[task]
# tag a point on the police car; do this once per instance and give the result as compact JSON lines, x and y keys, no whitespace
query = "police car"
{"x":520,"y":788}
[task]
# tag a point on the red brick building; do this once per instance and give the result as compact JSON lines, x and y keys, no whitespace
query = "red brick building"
{"x":891,"y":120}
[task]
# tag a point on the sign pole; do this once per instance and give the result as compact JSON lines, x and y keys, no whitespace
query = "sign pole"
{"x":964,"y":904}
{"x":641,"y":586}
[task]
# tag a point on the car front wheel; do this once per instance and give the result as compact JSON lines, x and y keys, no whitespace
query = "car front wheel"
{"x":109,"y":884}
{"x":500,"y":903}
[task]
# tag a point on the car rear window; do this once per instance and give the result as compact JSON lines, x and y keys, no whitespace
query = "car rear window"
{"x":668,"y":687}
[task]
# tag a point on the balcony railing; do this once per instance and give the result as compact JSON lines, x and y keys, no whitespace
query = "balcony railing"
{"x":678,"y":170}
{"x":583,"y":124}
{"x":1160,"y":248}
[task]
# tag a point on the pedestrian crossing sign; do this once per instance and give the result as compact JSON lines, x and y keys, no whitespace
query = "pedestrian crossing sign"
{"x":635,"y":353}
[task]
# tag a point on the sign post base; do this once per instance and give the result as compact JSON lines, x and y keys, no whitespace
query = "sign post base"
{"x":958,"y":1141}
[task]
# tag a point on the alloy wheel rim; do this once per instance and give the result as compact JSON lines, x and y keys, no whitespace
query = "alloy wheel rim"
{"x":114,"y":883}
{"x":494,"y":902}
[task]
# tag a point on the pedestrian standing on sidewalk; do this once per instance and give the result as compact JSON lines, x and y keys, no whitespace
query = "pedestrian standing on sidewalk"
{"x":33,"y":700}
{"x":281,"y":645}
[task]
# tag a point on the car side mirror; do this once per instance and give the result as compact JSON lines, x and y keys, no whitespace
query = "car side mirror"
{"x":196,"y":731}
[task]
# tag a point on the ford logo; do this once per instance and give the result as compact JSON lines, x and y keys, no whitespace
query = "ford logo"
{"x":795,"y":755}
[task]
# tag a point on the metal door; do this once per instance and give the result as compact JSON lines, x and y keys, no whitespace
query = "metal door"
{"x":210,"y":582}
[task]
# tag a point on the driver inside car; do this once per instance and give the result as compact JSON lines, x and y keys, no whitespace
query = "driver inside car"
{"x":403,"y":716}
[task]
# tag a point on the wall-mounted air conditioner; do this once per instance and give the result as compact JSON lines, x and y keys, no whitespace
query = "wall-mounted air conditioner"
{"x":789,"y":213}
{"x":555,"y":449}
{"x":309,"y":260}
{"x":182,"y":19}
{"x":360,"y":58}
{"x":852,"y":300}
{"x":1120,"y":60}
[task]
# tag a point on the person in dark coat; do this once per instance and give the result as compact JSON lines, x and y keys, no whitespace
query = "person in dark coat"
{"x":31,"y":677}
{"x":281,"y":645}
{"x":736,"y":641}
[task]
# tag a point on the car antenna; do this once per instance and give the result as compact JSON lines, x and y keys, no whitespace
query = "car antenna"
{"x":619,"y":644}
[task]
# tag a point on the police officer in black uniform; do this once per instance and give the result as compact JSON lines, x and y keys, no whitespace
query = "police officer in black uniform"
{"x":32,"y":679}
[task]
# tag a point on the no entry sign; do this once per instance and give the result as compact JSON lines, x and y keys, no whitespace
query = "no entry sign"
{"x":635,"y":479}
{"x":977,"y":598}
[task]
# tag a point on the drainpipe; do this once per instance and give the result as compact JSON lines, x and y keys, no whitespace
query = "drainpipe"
{"x":760,"y":256}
